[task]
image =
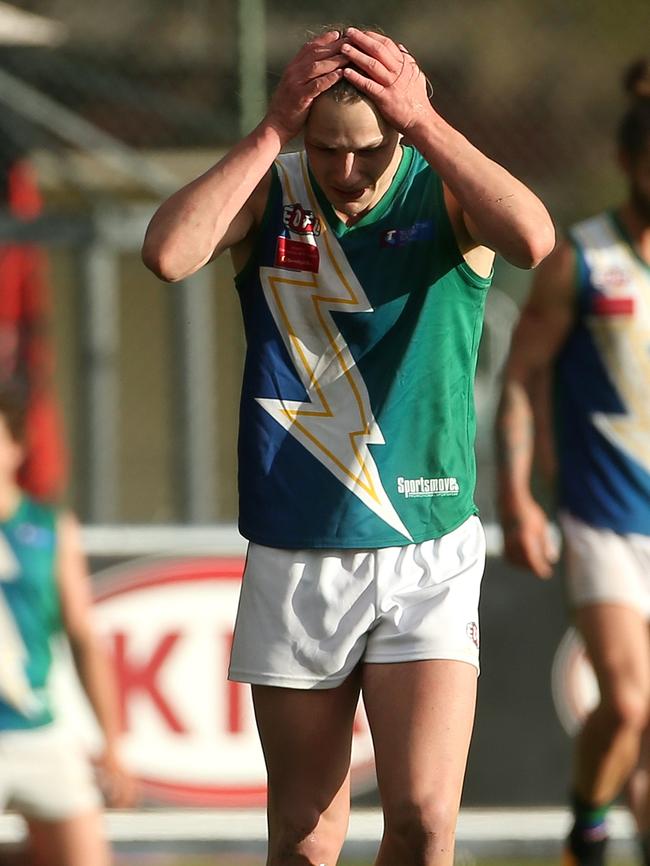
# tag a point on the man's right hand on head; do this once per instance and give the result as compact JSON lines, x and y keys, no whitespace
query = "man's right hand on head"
{"x":315,"y":68}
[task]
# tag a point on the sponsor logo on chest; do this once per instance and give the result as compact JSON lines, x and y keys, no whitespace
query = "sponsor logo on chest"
{"x":419,"y":231}
{"x":298,"y":254}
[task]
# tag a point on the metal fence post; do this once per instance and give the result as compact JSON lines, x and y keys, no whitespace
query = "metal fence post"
{"x":99,"y":350}
{"x":252,"y":63}
{"x":195,"y":396}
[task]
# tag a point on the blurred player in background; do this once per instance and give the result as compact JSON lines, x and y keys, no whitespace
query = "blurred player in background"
{"x":362,"y":267}
{"x":587,"y":321}
{"x":44,"y":589}
{"x":26,"y":356}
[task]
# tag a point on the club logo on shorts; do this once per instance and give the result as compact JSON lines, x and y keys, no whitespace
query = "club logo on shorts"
{"x":472,"y":632}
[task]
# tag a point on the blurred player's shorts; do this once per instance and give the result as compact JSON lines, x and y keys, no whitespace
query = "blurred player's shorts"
{"x":44,"y":774}
{"x":604,"y":566}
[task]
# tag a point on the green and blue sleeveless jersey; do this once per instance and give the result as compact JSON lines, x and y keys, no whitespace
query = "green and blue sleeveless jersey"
{"x":357,"y":412}
{"x":29,"y":614}
{"x":602,"y":383}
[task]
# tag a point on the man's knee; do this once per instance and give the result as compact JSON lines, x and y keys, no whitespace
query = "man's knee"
{"x":627,"y":705}
{"x":421,"y":829}
{"x":302,"y":836}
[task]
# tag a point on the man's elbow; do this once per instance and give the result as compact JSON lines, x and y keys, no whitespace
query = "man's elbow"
{"x":540,"y":243}
{"x":161,"y":264}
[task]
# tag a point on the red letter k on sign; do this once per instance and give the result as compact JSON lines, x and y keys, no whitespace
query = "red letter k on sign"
{"x":137,"y":676}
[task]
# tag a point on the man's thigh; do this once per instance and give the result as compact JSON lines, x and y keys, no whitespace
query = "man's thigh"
{"x":306,"y":737}
{"x":75,"y":841}
{"x":421,"y":715}
{"x":617,"y":640}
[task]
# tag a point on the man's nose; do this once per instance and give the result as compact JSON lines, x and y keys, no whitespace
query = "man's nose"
{"x":348,"y":165}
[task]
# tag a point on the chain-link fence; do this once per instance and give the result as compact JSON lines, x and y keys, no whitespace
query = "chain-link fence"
{"x":117,"y":103}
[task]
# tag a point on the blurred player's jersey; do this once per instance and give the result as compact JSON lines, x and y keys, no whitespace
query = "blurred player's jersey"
{"x":29,"y":614}
{"x":357,"y":415}
{"x":603,"y":382}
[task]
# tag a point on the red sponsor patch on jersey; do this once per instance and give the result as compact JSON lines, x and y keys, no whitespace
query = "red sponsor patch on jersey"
{"x":604,"y":306}
{"x":296,"y":255}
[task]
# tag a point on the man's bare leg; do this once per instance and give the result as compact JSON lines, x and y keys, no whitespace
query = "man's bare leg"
{"x":306,"y":737}
{"x":608,"y":746}
{"x":77,"y":841}
{"x":421,"y":715}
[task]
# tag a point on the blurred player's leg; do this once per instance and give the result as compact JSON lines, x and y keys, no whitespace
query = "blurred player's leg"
{"x":608,"y":746}
{"x":77,"y":841}
{"x":638,"y":798}
{"x":421,"y":715}
{"x":306,"y":737}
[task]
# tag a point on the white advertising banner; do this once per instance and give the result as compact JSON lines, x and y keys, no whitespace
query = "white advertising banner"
{"x":189,"y":733}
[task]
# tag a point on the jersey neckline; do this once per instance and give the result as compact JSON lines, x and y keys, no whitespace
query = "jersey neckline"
{"x":375,"y":213}
{"x":625,"y":236}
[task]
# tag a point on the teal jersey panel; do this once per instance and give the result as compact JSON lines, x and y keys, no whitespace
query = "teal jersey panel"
{"x":357,"y":418}
{"x":29,"y":614}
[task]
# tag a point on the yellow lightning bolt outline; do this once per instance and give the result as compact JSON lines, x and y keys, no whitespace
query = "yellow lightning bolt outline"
{"x":626,"y":350}
{"x":323,"y":302}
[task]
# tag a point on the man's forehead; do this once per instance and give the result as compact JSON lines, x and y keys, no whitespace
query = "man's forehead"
{"x":354,"y":126}
{"x":342,"y":141}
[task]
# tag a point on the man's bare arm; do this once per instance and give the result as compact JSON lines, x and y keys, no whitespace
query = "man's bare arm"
{"x":91,"y":662}
{"x":222,"y":207}
{"x":543,"y":326}
{"x":499,"y":212}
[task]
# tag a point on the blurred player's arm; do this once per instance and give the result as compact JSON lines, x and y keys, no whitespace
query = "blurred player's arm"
{"x":543,"y":326}
{"x":90,"y":659}
{"x":221,"y":209}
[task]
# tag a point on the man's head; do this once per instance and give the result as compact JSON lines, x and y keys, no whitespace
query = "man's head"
{"x":634,"y":137}
{"x":352,"y":151}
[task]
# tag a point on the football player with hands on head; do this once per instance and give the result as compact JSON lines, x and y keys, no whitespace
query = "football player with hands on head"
{"x":586,"y":326}
{"x":362,"y":265}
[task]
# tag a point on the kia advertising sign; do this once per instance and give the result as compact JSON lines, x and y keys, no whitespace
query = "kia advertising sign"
{"x":189,"y":733}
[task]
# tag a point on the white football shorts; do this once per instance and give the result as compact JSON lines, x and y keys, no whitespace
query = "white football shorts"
{"x":604,"y":566}
{"x":306,"y":618}
{"x":45,"y":775}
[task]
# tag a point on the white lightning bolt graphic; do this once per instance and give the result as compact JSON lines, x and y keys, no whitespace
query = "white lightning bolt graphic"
{"x":336,"y":423}
{"x":626,"y":352}
{"x":623,"y":340}
{"x":14,"y":685}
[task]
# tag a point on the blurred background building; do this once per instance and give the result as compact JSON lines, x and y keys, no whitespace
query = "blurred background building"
{"x":118,"y":103}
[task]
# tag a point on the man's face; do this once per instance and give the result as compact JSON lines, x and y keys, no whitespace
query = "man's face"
{"x":352,"y":153}
{"x":638,"y":173}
